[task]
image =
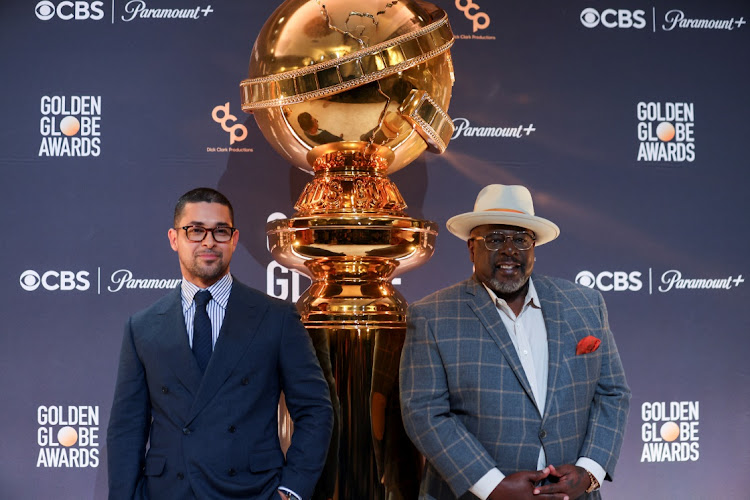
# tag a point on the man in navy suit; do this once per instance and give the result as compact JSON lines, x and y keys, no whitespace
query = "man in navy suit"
{"x":200,"y":376}
{"x":511,"y":383}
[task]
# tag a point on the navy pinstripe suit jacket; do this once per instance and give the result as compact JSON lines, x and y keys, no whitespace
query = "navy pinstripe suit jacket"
{"x":468,"y":406}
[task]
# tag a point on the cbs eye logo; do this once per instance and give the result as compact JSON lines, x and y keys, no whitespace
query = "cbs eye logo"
{"x":66,"y":10}
{"x":613,"y":18}
{"x":606,"y":281}
{"x":53,"y":280}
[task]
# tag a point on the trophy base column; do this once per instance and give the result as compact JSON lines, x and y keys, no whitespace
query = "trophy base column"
{"x":372,"y":456}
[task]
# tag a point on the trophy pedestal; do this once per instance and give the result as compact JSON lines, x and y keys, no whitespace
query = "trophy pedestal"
{"x":351,"y":238}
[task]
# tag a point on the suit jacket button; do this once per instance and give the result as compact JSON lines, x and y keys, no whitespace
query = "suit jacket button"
{"x":180,"y":475}
{"x":542,"y":434}
{"x":185,"y":431}
{"x":232,"y":472}
{"x":232,"y":428}
{"x":164,"y":389}
{"x":245,"y":381}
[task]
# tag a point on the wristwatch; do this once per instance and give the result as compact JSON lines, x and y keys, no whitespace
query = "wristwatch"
{"x":594,"y":483}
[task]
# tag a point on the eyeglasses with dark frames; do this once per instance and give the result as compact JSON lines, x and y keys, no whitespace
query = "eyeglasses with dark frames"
{"x":221,"y":234}
{"x":495,"y":241}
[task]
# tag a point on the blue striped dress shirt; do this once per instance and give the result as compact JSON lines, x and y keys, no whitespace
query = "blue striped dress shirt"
{"x":216,"y":307}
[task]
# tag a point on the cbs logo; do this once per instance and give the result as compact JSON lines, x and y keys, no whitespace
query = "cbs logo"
{"x":480,"y":19}
{"x":611,"y":18}
{"x":606,"y":281}
{"x":67,"y":10}
{"x":54,"y":280}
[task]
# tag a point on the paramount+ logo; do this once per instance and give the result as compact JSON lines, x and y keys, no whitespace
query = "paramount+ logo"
{"x":613,"y":18}
{"x":79,"y":10}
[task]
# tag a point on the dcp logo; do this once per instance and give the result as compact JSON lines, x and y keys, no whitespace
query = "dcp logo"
{"x":606,"y":281}
{"x":613,"y":18}
{"x":480,"y":19}
{"x":53,"y":280}
{"x":237,"y":132}
{"x":67,"y":10}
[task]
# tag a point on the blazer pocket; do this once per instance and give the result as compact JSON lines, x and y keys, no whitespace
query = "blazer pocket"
{"x":266,"y":460}
{"x":155,"y":466}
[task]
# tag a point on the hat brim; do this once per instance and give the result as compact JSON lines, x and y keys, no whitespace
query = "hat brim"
{"x":461,"y":225}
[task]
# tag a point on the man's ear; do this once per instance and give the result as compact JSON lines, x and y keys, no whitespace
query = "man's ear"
{"x":172,"y":235}
{"x":470,"y":244}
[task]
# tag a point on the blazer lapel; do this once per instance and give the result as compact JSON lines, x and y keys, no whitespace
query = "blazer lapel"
{"x":553,"y":322}
{"x":171,"y":335}
{"x":482,"y":305}
{"x":238,"y":329}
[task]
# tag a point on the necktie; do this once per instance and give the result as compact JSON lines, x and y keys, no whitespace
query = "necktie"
{"x":202,"y":338}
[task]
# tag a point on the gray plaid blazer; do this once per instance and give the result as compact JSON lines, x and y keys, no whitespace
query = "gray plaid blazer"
{"x":468,"y":406}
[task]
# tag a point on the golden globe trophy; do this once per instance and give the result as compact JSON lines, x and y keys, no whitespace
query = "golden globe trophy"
{"x":352,"y":90}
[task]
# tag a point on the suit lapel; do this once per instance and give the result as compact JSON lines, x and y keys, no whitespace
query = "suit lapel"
{"x":238,"y":329}
{"x":171,"y":335}
{"x":482,"y":305}
{"x":554,"y":323}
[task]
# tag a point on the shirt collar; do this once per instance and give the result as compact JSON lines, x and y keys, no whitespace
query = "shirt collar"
{"x":531,"y":300}
{"x":219,"y":291}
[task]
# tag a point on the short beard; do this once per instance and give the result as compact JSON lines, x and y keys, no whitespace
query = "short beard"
{"x":210,"y":273}
{"x":507,"y":287}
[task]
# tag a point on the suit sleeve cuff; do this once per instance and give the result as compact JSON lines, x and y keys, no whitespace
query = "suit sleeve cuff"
{"x":487,"y":484}
{"x":289,"y":492}
{"x":593,"y":467}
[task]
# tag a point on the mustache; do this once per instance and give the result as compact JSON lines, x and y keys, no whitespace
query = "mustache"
{"x":507,"y":260}
{"x":208,"y":252}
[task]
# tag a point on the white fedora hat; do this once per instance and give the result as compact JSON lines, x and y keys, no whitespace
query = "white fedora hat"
{"x":499,"y":204}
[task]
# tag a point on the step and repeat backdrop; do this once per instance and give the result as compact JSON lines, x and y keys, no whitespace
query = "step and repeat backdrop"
{"x":627,"y":120}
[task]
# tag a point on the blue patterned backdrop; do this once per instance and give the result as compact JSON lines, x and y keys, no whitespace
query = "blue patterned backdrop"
{"x":576,"y":100}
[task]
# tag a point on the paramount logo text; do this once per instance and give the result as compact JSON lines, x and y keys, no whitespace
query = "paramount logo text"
{"x":676,"y":19}
{"x":123,"y":278}
{"x":463,"y":128}
{"x":673,"y":279}
{"x":138,"y":9}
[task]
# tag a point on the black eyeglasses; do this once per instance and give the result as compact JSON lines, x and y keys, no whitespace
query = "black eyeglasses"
{"x":221,"y":234}
{"x":495,"y":241}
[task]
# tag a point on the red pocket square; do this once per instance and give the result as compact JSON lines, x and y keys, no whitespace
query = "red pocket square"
{"x":588,"y":344}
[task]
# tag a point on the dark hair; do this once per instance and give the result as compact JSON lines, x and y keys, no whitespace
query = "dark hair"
{"x":306,"y":121}
{"x":198,"y":195}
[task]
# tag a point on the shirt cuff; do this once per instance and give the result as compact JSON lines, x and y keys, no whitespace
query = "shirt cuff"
{"x":289,"y":492}
{"x":593,"y":467}
{"x":487,"y":484}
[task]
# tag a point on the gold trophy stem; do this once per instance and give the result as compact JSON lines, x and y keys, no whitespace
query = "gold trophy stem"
{"x":351,"y":236}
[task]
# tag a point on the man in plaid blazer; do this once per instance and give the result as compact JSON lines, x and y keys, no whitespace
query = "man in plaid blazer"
{"x":511,"y":383}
